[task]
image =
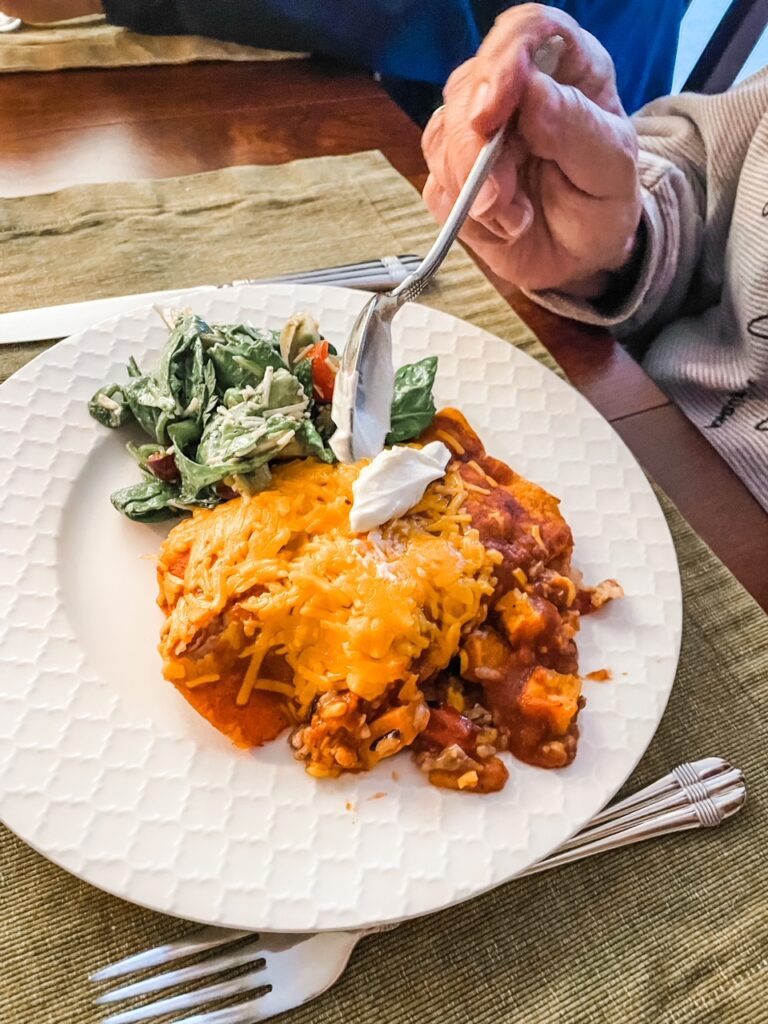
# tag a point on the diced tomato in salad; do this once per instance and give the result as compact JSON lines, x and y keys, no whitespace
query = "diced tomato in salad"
{"x":324,"y":368}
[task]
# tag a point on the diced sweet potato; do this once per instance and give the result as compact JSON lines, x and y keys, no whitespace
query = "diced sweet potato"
{"x":550,"y":697}
{"x":525,"y":618}
{"x":484,"y":651}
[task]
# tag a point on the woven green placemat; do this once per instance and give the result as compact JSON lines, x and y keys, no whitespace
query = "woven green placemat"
{"x":671,"y":932}
{"x":92,"y":43}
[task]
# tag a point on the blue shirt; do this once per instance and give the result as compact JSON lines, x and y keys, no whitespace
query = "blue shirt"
{"x":640,"y":35}
{"x":417,"y":40}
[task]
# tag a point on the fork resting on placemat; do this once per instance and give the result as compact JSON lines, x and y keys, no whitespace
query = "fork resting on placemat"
{"x":288,"y":970}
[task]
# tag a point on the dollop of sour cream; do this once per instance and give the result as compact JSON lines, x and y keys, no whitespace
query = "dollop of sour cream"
{"x":394,"y":482}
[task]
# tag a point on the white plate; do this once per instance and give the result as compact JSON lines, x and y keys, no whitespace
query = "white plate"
{"x":107,"y":771}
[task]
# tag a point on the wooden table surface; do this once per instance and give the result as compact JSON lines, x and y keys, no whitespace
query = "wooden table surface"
{"x":69,"y":127}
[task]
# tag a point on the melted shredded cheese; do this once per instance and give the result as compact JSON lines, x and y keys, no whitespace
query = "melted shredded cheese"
{"x":282,"y":573}
{"x":451,"y":440}
{"x":474,"y":464}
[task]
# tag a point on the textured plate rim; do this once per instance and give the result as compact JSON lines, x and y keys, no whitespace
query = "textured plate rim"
{"x":241,"y":295}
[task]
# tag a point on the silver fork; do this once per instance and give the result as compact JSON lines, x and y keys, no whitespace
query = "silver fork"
{"x":363,"y":393}
{"x":288,"y":970}
{"x":364,"y":384}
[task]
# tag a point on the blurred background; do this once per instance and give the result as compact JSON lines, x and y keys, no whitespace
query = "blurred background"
{"x":699,"y":23}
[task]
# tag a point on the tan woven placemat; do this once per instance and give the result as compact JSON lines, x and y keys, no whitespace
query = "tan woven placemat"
{"x":672,"y":932}
{"x":92,"y":43}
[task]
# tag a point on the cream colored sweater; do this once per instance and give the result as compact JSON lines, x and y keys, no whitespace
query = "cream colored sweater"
{"x":701,"y":292}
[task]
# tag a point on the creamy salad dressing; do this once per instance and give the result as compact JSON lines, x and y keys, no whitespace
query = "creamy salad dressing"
{"x":394,"y":482}
{"x":364,"y":436}
{"x":344,"y":389}
{"x":362,"y":396}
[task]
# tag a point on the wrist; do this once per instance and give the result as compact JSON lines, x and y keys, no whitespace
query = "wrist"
{"x":590,"y":288}
{"x":605,"y":287}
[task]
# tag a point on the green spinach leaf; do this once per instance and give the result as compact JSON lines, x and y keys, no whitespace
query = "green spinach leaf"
{"x":303,"y":373}
{"x":197,"y":479}
{"x":278,"y":391}
{"x":142,"y":452}
{"x":152,"y":408}
{"x":184,"y":433}
{"x":251,"y":483}
{"x":323,"y":422}
{"x":110,"y":407}
{"x":413,"y":407}
{"x":241,"y":354}
{"x":150,"y":501}
{"x":241,"y":434}
{"x":307,"y":441}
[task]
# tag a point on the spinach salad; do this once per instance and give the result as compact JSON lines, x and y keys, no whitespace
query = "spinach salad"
{"x":226,"y":400}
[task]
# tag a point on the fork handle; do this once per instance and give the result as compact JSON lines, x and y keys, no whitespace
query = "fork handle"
{"x":416,"y":282}
{"x":546,"y":59}
{"x":711,"y":810}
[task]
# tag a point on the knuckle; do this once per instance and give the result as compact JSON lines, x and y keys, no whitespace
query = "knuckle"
{"x":432,"y":157}
{"x":631,"y":145}
{"x":430,"y":139}
{"x":459,"y":77}
{"x":625,"y":146}
{"x":431,"y":194}
{"x":521,"y":13}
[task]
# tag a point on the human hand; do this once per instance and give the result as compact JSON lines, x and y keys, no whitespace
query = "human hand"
{"x":43,"y":12}
{"x":562,"y":204}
